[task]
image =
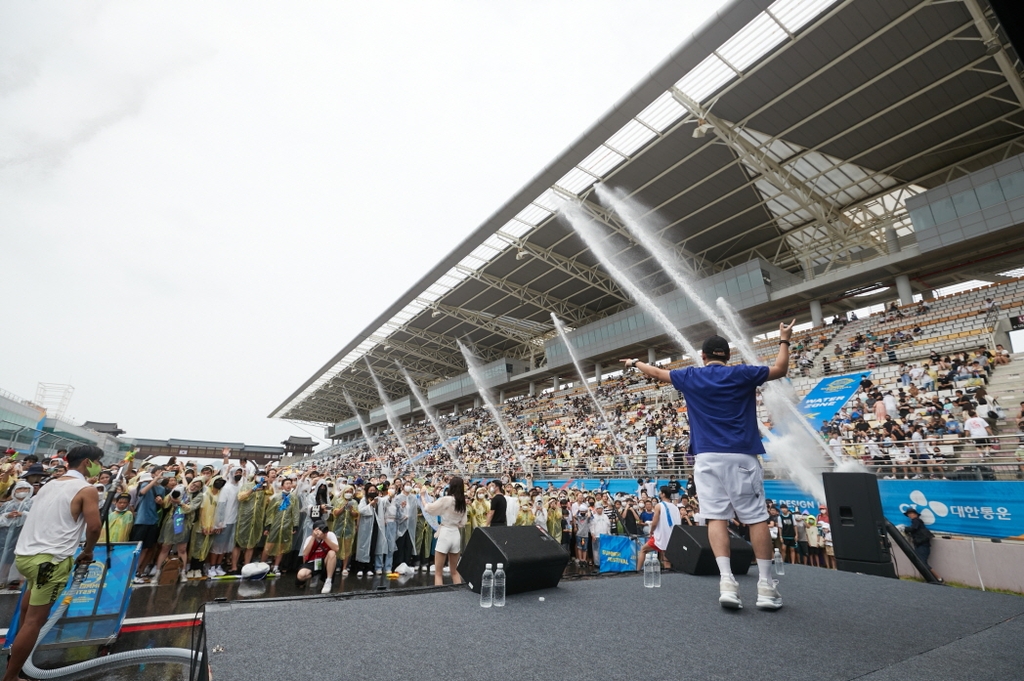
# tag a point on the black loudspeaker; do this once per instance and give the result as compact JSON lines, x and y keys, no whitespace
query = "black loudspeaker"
{"x":689,"y":550}
{"x":532,"y":559}
{"x":858,"y":526}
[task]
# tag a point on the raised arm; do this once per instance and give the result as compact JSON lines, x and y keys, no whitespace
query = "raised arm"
{"x":651,"y":370}
{"x":781,"y":367}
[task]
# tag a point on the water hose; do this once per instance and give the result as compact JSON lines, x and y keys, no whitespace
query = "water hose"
{"x":182,"y":656}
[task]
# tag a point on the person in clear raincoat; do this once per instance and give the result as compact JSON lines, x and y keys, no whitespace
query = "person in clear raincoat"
{"x":282,"y":523}
{"x":252,"y":510}
{"x":371,"y":540}
{"x":404,"y":552}
{"x":205,"y":524}
{"x":383,"y":562}
{"x":12,"y":518}
{"x":343,"y":520}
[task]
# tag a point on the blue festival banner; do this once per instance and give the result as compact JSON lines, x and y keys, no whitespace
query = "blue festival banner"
{"x":978,"y":508}
{"x":100,"y":604}
{"x":975,"y":508}
{"x":616,"y":554}
{"x":829,"y":396}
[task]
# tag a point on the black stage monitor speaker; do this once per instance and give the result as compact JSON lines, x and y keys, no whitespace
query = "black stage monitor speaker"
{"x":859,"y":536}
{"x":689,"y":550}
{"x":531,"y":558}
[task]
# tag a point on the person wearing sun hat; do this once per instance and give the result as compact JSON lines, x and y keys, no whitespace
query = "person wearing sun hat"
{"x":921,"y":537}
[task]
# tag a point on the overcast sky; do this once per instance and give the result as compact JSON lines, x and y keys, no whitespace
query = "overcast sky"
{"x":201,"y":203}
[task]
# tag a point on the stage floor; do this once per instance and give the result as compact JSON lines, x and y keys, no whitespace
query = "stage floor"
{"x":834,"y":625}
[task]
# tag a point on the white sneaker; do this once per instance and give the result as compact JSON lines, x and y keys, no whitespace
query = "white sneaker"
{"x":276,"y":570}
{"x":215,"y":571}
{"x":327,"y":587}
{"x":432,"y":569}
{"x":183,"y":577}
{"x":729,"y":594}
{"x":446,"y":570}
{"x":379,"y":573}
{"x":768,"y":597}
{"x":344,"y":573}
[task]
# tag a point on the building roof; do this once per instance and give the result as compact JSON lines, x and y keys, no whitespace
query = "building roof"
{"x":101,"y":427}
{"x":792,"y":131}
{"x":296,"y":441}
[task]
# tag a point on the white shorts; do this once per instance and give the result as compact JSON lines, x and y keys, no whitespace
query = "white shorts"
{"x":449,"y":540}
{"x":730,"y":485}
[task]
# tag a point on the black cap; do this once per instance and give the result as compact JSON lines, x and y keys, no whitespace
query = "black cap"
{"x":716,"y":347}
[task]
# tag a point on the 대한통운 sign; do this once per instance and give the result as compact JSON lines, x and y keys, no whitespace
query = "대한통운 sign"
{"x":976,"y":508}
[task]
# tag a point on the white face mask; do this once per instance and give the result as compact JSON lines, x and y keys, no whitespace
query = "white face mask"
{"x":480,"y":495}
{"x":21,"y":496}
{"x":407,"y":488}
{"x":348,"y":495}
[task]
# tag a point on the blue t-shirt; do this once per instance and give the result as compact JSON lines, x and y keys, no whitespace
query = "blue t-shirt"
{"x":721,"y":405}
{"x":145,"y":506}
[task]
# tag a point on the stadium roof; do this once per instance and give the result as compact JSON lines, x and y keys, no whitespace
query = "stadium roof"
{"x":792,"y":131}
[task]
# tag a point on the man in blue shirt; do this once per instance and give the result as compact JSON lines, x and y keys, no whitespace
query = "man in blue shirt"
{"x":149,"y":494}
{"x":721,"y":404}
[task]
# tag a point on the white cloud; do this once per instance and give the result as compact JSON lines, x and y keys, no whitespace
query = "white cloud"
{"x":203,"y":202}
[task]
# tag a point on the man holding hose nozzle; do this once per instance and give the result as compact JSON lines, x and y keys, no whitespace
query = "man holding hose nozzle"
{"x":721,"y":404}
{"x":60,"y":511}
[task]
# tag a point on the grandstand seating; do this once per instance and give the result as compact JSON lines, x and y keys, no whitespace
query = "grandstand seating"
{"x":556,"y":431}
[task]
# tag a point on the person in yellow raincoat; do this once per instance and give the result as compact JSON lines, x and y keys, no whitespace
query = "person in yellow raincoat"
{"x":252,"y":513}
{"x":282,"y":521}
{"x":121,"y":520}
{"x":554,"y":519}
{"x":204,"y":527}
{"x":478,"y":510}
{"x":524,"y":518}
{"x":344,"y":518}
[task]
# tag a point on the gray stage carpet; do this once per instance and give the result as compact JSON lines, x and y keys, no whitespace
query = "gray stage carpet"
{"x":834,"y":625}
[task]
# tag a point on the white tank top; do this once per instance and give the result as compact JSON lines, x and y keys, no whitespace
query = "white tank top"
{"x":49,"y":527}
{"x":669,"y":519}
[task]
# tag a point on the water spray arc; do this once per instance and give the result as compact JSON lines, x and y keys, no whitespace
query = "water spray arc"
{"x":432,"y":417}
{"x":585,"y":228}
{"x":593,"y":396}
{"x":370,"y":440}
{"x":389,"y":412}
{"x":474,"y":373}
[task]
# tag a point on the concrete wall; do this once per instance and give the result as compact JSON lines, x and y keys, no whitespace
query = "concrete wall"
{"x":1001,"y":565}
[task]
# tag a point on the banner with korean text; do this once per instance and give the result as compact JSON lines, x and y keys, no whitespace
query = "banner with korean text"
{"x":976,"y":508}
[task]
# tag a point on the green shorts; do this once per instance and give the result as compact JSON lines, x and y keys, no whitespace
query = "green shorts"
{"x":45,"y":584}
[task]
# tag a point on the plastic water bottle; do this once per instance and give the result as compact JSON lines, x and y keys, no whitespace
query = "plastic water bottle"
{"x":655,"y":571}
{"x":499,"y":586}
{"x":487,"y":587}
{"x":649,"y":571}
{"x":778,"y":563}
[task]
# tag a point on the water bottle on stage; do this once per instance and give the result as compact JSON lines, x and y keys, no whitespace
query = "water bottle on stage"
{"x":499,"y":586}
{"x":487,"y":587}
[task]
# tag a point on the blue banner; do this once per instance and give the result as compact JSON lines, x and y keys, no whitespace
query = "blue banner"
{"x":829,"y":396}
{"x":976,"y":508}
{"x":616,"y":554}
{"x":100,"y":604}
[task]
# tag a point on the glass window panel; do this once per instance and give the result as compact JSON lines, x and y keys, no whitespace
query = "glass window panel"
{"x":922,"y":218}
{"x":989,"y":194}
{"x":965,"y":203}
{"x":1012,"y":185}
{"x":942,"y":211}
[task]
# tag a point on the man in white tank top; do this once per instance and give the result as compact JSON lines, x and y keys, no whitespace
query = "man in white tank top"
{"x":60,"y":511}
{"x":666,"y":516}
